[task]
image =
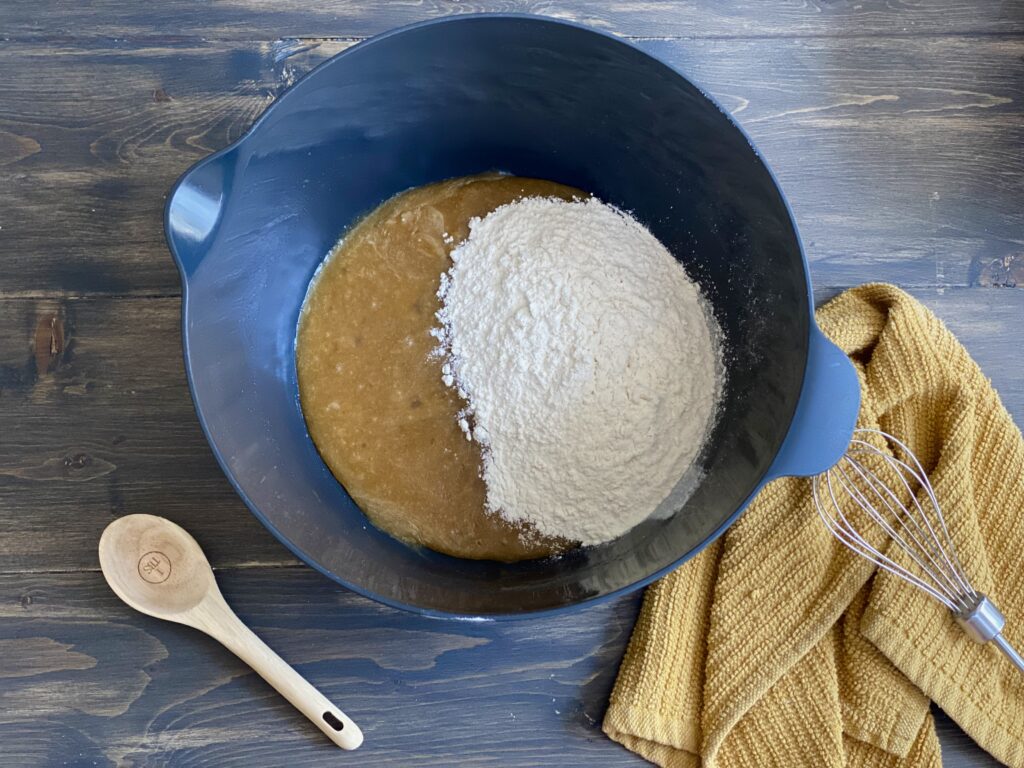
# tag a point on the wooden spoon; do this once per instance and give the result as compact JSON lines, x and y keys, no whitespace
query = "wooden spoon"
{"x":158,"y":569}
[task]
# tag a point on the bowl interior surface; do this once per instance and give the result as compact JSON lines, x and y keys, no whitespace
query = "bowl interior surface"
{"x":533,"y":97}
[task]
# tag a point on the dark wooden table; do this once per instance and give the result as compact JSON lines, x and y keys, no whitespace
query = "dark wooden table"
{"x":896,"y":130}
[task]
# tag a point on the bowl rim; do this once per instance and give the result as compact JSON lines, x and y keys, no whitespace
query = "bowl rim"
{"x":284,"y":539}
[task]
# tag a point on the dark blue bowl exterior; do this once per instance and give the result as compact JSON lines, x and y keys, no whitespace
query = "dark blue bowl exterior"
{"x":249,"y":225}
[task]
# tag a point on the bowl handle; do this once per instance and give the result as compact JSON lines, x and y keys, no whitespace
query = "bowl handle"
{"x":194,"y":209}
{"x":825,"y":414}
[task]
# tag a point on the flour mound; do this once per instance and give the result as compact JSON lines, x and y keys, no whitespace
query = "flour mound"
{"x":588,"y":360}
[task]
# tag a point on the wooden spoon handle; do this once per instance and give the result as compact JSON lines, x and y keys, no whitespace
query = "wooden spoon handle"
{"x":221,"y":623}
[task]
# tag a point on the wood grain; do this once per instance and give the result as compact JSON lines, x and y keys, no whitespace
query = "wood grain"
{"x":511,"y":694}
{"x":116,"y":20}
{"x":148,"y":693}
{"x":901,"y":159}
{"x":98,"y":423}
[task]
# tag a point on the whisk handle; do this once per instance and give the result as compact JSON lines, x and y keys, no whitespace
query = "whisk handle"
{"x":1010,"y":652}
{"x":984,"y":623}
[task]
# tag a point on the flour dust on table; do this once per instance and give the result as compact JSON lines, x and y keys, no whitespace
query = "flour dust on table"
{"x":505,"y":368}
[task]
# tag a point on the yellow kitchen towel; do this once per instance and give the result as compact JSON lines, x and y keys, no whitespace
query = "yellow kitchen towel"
{"x":778,"y":647}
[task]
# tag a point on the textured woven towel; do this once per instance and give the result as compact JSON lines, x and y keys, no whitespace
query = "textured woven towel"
{"x":777,"y":647}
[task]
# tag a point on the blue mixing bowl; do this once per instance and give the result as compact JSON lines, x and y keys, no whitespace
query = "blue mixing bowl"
{"x":535,"y":97}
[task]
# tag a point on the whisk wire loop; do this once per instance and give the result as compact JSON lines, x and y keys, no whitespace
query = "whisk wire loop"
{"x":837,"y":523}
{"x":921,"y":478}
{"x":924,"y":544}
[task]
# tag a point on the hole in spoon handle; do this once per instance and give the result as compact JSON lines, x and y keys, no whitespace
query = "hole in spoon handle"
{"x":332,"y":720}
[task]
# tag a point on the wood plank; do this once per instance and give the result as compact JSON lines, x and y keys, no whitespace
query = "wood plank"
{"x":900,"y":157}
{"x":98,"y":423}
{"x":958,"y":750}
{"x":425,"y":692}
{"x":253,"y":19}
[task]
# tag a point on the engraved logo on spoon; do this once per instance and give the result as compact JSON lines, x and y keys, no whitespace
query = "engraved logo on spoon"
{"x":154,"y":567}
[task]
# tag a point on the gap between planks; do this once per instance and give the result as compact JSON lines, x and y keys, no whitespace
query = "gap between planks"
{"x":147,"y":41}
{"x":64,"y":296}
{"x":248,"y":565}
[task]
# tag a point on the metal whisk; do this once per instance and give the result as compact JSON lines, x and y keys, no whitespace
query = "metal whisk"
{"x":877,"y":483}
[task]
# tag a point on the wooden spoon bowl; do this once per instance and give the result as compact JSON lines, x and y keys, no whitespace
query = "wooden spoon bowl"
{"x":156,"y":567}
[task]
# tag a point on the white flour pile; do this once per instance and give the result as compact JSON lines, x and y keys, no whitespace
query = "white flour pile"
{"x":588,"y":361}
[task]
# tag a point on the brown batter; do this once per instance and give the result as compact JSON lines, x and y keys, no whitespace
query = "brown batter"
{"x":371,"y":390}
